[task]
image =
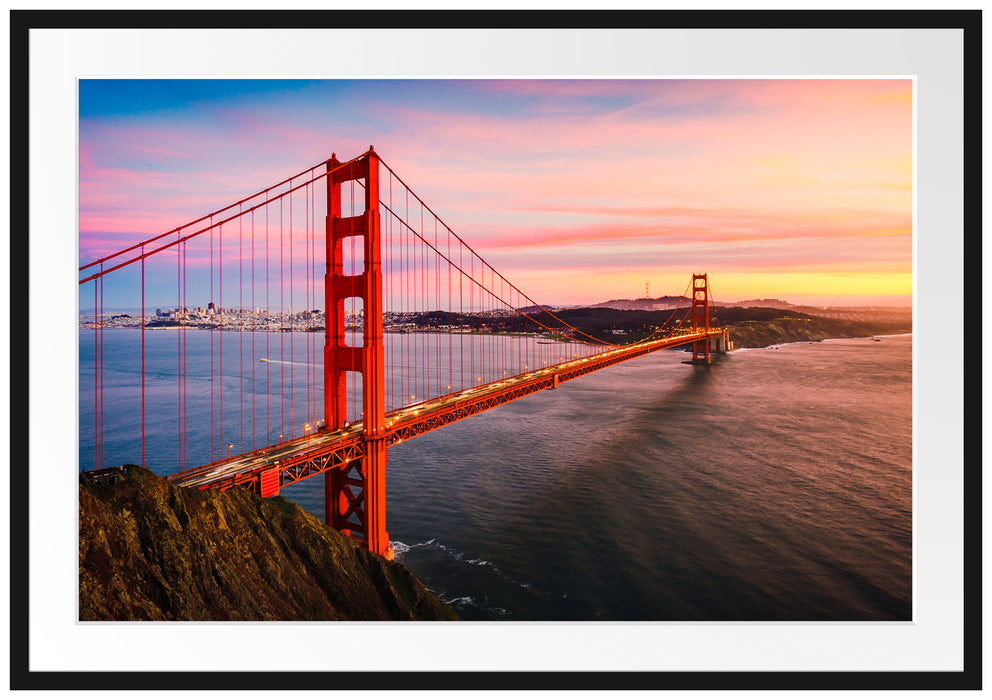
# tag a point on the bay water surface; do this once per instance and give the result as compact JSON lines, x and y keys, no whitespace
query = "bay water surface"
{"x":774,"y":485}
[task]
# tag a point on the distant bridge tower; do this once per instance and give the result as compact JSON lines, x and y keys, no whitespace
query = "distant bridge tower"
{"x":701,"y":322}
{"x":342,"y":504}
{"x":700,"y":319}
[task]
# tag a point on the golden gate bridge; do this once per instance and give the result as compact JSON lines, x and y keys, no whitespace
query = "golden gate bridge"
{"x":355,"y":238}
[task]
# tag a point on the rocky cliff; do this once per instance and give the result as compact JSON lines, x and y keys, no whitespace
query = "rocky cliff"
{"x":151,"y":551}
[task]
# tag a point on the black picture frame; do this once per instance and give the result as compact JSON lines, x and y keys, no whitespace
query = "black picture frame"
{"x":23,"y":678}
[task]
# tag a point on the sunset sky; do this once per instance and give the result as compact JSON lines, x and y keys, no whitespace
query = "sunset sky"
{"x":578,"y":191}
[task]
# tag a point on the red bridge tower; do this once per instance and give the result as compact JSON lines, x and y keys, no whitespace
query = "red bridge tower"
{"x":355,"y":494}
{"x":700,"y":319}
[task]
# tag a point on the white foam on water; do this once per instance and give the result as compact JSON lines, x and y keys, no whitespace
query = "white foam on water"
{"x":464,"y":600}
{"x":402,"y":548}
{"x":399,"y":548}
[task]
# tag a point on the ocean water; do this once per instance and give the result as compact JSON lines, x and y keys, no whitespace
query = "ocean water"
{"x":774,"y":485}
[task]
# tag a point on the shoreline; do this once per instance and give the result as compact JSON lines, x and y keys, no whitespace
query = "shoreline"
{"x":88,"y":327}
{"x":823,"y":340}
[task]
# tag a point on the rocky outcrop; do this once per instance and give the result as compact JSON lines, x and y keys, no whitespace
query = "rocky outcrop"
{"x":151,"y":551}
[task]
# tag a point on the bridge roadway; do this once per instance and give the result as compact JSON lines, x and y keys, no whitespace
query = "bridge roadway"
{"x":296,"y":459}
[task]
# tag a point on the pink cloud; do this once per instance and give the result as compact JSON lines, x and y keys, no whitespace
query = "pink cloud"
{"x":724,"y":168}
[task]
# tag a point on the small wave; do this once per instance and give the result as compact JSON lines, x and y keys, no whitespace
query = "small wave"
{"x":402,"y":548}
{"x":399,"y":548}
{"x":442,"y":553}
{"x":459,"y":556}
{"x":464,"y":600}
{"x":467,"y":601}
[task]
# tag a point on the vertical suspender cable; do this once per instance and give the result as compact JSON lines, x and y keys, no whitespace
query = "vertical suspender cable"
{"x":254,"y":322}
{"x":306,"y":277}
{"x":473,"y":338}
{"x":179,"y":353}
{"x":102,"y":418}
{"x":241,"y":332}
{"x":211,"y":301}
{"x":268,"y":329}
{"x":355,"y":403}
{"x":254,"y":325}
{"x":486,"y":292}
{"x":313,"y":299}
{"x":96,"y":371}
{"x":388,"y":306}
{"x":437,"y":308}
{"x":313,"y":306}
{"x":314,"y":278}
{"x":292,"y":354}
{"x":185,"y":372}
{"x":425,"y":373}
{"x":461,"y":320}
{"x":143,"y":462}
{"x":220,"y":311}
{"x":451,"y":345}
{"x":311,"y":350}
{"x":407,"y":303}
{"x":282,"y":323}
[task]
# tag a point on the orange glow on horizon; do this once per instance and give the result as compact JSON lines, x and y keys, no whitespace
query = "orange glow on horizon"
{"x":819,"y":288}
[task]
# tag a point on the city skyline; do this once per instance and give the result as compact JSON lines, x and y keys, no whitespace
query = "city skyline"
{"x":577,"y":190}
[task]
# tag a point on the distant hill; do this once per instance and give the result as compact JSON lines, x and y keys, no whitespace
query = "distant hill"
{"x":886,"y":314}
{"x":663,"y":303}
{"x":763,"y":303}
{"x":645,"y":304}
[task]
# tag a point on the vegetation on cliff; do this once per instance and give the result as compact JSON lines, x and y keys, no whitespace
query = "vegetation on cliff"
{"x":151,"y":551}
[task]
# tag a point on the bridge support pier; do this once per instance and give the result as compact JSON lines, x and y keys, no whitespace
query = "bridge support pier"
{"x":720,"y":344}
{"x":374,"y":463}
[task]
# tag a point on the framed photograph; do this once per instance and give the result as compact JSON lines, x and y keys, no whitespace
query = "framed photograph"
{"x":782,"y":195}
